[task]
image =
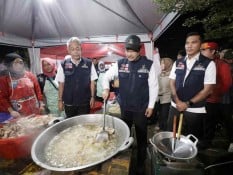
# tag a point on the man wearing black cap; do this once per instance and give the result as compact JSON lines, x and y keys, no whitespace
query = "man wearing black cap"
{"x":138,"y":90}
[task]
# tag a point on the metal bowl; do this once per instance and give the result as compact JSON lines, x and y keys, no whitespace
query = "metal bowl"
{"x":184,"y":149}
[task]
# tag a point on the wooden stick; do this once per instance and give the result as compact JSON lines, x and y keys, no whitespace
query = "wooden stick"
{"x":180,"y":125}
{"x":174,"y":126}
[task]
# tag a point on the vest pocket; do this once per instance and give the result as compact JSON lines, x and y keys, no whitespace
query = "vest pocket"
{"x":123,"y":75}
{"x":68,"y":72}
{"x":198,"y":72}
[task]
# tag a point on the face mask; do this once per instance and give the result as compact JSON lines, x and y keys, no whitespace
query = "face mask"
{"x":17,"y":68}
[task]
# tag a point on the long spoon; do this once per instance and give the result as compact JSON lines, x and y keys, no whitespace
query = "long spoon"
{"x":103,"y":135}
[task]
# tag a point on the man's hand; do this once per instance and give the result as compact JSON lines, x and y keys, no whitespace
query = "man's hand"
{"x":105,"y":94}
{"x":92,"y":102}
{"x":181,"y":106}
{"x":149,"y":112}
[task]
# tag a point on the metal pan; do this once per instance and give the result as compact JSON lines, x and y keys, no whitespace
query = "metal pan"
{"x":185,"y":148}
{"x":38,"y":148}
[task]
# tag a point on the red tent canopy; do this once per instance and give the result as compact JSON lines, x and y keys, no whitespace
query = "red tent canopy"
{"x":89,"y":50}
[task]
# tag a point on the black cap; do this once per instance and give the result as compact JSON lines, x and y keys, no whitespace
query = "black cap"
{"x":10,"y":57}
{"x":133,"y":42}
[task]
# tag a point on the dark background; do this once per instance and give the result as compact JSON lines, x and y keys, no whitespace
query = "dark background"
{"x":173,"y":39}
{"x":7,"y":49}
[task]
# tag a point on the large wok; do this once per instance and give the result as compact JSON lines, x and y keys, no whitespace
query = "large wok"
{"x":121,"y":129}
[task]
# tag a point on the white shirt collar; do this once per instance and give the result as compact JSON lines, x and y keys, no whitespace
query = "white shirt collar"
{"x":72,"y":60}
{"x":196,"y":57}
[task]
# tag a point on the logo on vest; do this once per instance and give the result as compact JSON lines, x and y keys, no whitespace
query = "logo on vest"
{"x":143,"y":69}
{"x":68,"y":65}
{"x":180,"y":66}
{"x":199,"y":67}
{"x":124,"y":68}
{"x":84,"y":66}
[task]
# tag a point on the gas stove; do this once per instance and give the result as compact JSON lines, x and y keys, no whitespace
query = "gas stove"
{"x":160,"y":165}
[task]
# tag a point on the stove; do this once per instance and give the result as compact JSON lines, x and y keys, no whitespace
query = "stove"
{"x":161,"y":165}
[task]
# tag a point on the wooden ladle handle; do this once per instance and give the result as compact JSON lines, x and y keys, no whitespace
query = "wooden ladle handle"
{"x":180,"y":125}
{"x":174,"y":126}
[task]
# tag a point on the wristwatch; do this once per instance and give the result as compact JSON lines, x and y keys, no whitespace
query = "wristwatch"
{"x":189,"y":103}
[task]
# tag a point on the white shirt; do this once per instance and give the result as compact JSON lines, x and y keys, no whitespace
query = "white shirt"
{"x":152,"y":82}
{"x":60,"y":77}
{"x":209,"y":78}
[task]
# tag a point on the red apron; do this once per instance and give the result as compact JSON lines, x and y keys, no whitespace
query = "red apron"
{"x":23,"y":97}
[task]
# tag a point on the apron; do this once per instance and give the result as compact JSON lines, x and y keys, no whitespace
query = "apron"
{"x":51,"y":95}
{"x":23,"y":97}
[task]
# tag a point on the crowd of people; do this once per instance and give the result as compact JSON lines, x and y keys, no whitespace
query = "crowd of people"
{"x":197,"y":84}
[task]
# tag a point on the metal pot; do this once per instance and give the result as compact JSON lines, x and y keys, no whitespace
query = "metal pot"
{"x":121,"y":129}
{"x":185,"y":148}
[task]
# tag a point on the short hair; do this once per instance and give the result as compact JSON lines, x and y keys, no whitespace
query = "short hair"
{"x":73,"y":39}
{"x":194,"y":34}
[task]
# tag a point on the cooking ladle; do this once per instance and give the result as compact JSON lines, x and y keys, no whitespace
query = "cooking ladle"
{"x":103,"y":135}
{"x":176,"y":136}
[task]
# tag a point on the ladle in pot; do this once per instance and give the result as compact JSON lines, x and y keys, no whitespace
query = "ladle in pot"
{"x":103,"y":135}
{"x":175,"y":137}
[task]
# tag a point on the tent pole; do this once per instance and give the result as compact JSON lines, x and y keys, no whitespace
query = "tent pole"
{"x":152,"y":48}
